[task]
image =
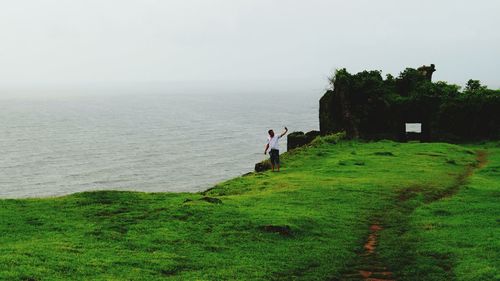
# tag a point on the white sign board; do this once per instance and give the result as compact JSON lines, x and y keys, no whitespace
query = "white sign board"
{"x":413,"y":127}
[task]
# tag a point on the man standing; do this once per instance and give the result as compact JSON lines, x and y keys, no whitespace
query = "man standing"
{"x":274,"y":153}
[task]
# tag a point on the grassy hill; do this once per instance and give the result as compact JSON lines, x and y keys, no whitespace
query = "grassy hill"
{"x":339,"y":210}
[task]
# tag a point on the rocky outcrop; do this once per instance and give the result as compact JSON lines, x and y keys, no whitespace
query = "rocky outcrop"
{"x":212,"y":200}
{"x":427,"y":71}
{"x":283,"y":230}
{"x":262,"y":166}
{"x":298,"y":139}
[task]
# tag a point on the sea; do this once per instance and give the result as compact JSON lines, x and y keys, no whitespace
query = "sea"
{"x":163,"y":141}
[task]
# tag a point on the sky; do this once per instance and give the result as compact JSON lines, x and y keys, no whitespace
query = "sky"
{"x":85,"y":42}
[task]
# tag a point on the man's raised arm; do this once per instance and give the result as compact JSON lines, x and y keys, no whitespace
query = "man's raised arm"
{"x":284,"y":133}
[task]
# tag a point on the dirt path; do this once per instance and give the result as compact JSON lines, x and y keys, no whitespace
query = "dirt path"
{"x":369,"y":266}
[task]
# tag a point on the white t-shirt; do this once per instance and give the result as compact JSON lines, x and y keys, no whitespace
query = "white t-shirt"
{"x":273,"y":142}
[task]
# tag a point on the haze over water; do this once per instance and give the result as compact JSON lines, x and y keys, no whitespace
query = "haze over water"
{"x":142,"y":142}
{"x":185,"y":140}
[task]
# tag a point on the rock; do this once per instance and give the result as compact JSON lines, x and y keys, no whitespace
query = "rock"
{"x":262,"y":166}
{"x":427,"y":71}
{"x":211,"y":200}
{"x":298,"y":139}
{"x":313,"y":134}
{"x":384,"y":153}
{"x":283,"y":230}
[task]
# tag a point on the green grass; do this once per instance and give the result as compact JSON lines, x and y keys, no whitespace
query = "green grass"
{"x":308,"y":222}
{"x":457,"y":237}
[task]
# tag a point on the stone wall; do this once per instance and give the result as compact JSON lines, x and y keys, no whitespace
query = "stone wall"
{"x":298,"y":139}
{"x":367,"y":106}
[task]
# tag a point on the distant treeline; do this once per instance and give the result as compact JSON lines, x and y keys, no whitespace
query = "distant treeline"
{"x":366,"y":105}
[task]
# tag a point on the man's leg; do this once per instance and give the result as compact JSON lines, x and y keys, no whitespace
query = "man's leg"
{"x":271,"y":159}
{"x":278,"y":160}
{"x":273,"y":163}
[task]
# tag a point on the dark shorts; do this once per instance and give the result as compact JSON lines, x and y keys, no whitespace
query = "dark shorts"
{"x":275,"y":156}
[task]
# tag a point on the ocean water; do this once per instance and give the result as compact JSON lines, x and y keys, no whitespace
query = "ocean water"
{"x":161,"y":142}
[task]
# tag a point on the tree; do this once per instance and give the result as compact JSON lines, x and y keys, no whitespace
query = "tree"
{"x":474,"y":86}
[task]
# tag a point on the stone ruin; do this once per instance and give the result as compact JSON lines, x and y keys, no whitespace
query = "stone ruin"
{"x":427,"y":71}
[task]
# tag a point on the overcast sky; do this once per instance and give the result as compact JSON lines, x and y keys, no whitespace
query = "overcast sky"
{"x":115,"y":41}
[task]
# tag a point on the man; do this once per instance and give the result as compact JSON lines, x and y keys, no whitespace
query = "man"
{"x":274,"y":153}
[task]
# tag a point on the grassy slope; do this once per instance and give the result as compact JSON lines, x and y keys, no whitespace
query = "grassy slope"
{"x":324,"y":200}
{"x":458,"y":237}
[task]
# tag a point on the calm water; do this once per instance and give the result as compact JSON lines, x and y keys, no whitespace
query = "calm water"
{"x":153,"y":142}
